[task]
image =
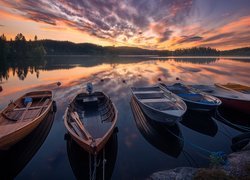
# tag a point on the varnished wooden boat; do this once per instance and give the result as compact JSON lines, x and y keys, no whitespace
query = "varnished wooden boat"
{"x":160,"y":105}
{"x":235,"y":87}
{"x":90,"y":120}
{"x":20,"y":117}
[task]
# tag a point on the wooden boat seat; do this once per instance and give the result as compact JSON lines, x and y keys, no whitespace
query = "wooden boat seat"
{"x":147,"y":92}
{"x":90,"y":99}
{"x":150,"y":95}
{"x":155,"y":100}
{"x":31,"y":108}
{"x":38,"y":96}
{"x":34,"y":113}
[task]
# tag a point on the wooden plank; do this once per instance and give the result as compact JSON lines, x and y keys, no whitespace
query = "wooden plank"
{"x":155,"y":100}
{"x":26,"y":110}
{"x":147,"y":92}
{"x":75,"y":127}
{"x":43,"y":106}
{"x":31,"y":108}
{"x":75,"y":116}
{"x":38,"y":96}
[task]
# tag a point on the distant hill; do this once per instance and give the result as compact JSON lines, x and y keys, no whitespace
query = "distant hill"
{"x":236,"y":52}
{"x":69,"y":48}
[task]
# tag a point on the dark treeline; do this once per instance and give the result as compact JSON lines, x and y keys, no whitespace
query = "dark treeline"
{"x":68,"y":48}
{"x":21,"y":48}
{"x":235,"y":52}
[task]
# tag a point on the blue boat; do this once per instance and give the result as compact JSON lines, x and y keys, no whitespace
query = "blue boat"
{"x":195,"y":99}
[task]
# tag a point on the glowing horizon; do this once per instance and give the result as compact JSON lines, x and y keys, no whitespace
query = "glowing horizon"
{"x":152,"y":24}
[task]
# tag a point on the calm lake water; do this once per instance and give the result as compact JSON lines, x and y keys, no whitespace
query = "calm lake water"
{"x":138,"y":148}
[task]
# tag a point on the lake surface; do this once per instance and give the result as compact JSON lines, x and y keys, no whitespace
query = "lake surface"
{"x":138,"y":148}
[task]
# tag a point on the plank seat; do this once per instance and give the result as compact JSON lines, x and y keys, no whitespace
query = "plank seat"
{"x":38,"y":96}
{"x":31,"y":108}
{"x":147,"y":92}
{"x":155,"y":100}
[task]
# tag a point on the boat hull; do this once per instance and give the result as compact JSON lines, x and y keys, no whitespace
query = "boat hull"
{"x":199,"y":107}
{"x":158,"y":116}
{"x":237,"y":104}
{"x":10,"y":139}
{"x":86,"y":145}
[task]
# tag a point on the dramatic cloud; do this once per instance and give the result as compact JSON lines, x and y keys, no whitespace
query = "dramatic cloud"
{"x":157,"y":24}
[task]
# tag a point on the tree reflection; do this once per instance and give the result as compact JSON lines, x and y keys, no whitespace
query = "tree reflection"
{"x":20,"y":67}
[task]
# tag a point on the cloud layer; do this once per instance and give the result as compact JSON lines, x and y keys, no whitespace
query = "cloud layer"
{"x":155,"y":24}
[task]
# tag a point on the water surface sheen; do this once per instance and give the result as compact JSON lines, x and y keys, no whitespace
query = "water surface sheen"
{"x":141,"y":147}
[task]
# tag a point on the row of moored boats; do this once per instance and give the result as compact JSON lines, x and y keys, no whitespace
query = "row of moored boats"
{"x":168,"y":103}
{"x":91,"y":117}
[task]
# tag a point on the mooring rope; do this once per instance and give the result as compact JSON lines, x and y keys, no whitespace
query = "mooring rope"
{"x":103,"y":164}
{"x":95,"y":166}
{"x":90,"y":169}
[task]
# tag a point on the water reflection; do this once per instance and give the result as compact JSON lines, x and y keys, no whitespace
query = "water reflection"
{"x":18,"y":156}
{"x":79,"y":159}
{"x":201,"y":122}
{"x":20,"y":67}
{"x":165,"y":138}
{"x":195,"y":60}
{"x":235,"y":119}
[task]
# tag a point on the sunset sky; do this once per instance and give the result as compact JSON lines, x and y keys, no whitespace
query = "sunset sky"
{"x":152,"y":24}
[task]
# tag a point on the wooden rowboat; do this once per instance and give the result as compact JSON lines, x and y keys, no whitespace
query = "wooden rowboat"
{"x":20,"y":117}
{"x":90,"y":120}
{"x":159,"y":105}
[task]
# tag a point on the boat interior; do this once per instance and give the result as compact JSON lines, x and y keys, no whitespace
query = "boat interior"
{"x":156,"y":98}
{"x":26,"y":108}
{"x":238,"y":87}
{"x":190,"y":94}
{"x":94,"y":113}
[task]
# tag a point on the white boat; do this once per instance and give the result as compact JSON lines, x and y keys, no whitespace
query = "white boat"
{"x":161,"y":106}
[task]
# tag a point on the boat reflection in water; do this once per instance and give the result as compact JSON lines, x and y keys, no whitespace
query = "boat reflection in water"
{"x":201,"y":122}
{"x":167,"y":139}
{"x":17,"y":157}
{"x":80,"y":160}
{"x":233,"y":118}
